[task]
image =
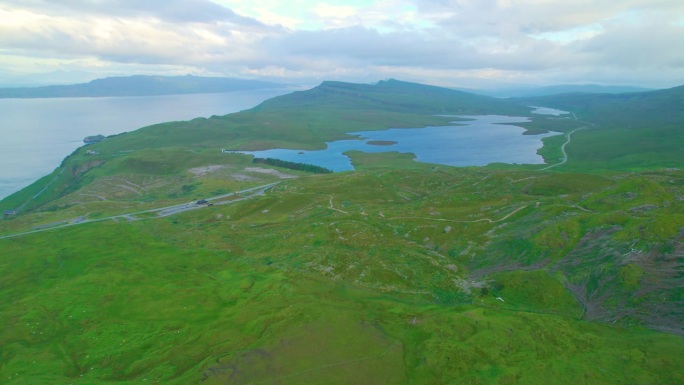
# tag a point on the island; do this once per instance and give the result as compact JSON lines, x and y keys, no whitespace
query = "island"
{"x":381,"y":142}
{"x":93,"y":139}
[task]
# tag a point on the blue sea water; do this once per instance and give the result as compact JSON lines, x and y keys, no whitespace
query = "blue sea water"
{"x":37,"y":134}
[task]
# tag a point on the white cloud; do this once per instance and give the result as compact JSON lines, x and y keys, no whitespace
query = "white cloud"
{"x":445,"y":41}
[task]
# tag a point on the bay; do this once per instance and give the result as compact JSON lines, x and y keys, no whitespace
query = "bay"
{"x":37,"y":134}
{"x":483,"y":140}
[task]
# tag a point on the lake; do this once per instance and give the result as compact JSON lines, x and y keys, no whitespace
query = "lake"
{"x":547,"y":111}
{"x":483,"y":140}
{"x":37,"y":134}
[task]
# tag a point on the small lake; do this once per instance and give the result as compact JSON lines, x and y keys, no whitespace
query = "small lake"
{"x":548,"y":111}
{"x":483,"y":140}
{"x":37,"y":134}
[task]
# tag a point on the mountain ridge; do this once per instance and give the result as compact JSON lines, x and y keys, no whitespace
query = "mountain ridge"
{"x":140,"y":85}
{"x":632,"y":108}
{"x":394,"y":95}
{"x":514,"y":92}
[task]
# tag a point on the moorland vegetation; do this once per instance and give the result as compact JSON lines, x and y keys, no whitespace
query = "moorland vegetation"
{"x":398,"y":272}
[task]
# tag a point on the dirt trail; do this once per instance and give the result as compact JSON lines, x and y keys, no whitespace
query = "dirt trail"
{"x":462,"y":221}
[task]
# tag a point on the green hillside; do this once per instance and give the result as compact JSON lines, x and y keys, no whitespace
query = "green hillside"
{"x":633,"y":110}
{"x":560,"y":89}
{"x":627,"y":131}
{"x":392,"y":95}
{"x":301,"y":120}
{"x":160,"y":259}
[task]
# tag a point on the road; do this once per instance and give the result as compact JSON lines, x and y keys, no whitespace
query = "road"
{"x":161,"y":211}
{"x":565,"y":154}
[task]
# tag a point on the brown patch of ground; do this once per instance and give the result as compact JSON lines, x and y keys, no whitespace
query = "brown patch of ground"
{"x":270,"y":171}
{"x":201,"y":171}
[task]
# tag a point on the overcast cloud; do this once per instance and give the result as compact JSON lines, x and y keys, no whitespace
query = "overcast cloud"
{"x":470,"y":43}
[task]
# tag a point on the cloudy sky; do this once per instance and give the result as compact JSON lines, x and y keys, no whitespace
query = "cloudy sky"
{"x":466,"y":43}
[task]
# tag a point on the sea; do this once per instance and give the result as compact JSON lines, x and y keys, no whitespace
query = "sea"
{"x":37,"y":134}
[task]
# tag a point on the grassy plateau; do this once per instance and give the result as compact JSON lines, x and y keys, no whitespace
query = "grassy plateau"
{"x":399,"y":272}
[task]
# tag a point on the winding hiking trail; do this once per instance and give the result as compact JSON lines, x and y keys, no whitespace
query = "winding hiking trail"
{"x":466,"y":221}
{"x":41,"y":191}
{"x":333,"y":207}
{"x":161,"y":211}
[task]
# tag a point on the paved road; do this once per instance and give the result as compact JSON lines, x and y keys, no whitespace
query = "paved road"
{"x":565,"y":154}
{"x":161,"y":211}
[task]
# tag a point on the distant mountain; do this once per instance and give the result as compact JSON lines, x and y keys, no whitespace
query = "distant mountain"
{"x":140,"y":85}
{"x":560,"y":89}
{"x":59,"y":77}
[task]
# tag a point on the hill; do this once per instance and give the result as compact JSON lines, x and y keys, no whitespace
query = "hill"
{"x":377,"y":276}
{"x":153,"y":257}
{"x":392,"y":95}
{"x":627,"y":131}
{"x":300,"y":120}
{"x":635,"y":109}
{"x":561,"y":89}
{"x":139,"y":85}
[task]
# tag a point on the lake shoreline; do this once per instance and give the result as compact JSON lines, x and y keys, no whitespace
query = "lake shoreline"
{"x":472,"y":140}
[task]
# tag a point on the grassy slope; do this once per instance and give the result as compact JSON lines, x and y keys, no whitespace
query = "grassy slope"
{"x":391,"y":285}
{"x":630,"y":131}
{"x":303,"y":120}
{"x":402,"y":272}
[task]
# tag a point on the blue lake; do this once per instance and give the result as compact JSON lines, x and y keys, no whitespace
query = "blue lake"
{"x":483,"y":140}
{"x":548,"y":111}
{"x":38,"y":133}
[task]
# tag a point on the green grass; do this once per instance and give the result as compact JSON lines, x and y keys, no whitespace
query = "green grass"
{"x":399,"y":272}
{"x":626,"y":148}
{"x":397,"y":283}
{"x":631,"y":131}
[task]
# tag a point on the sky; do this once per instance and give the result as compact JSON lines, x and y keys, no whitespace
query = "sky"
{"x":453,"y":43}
